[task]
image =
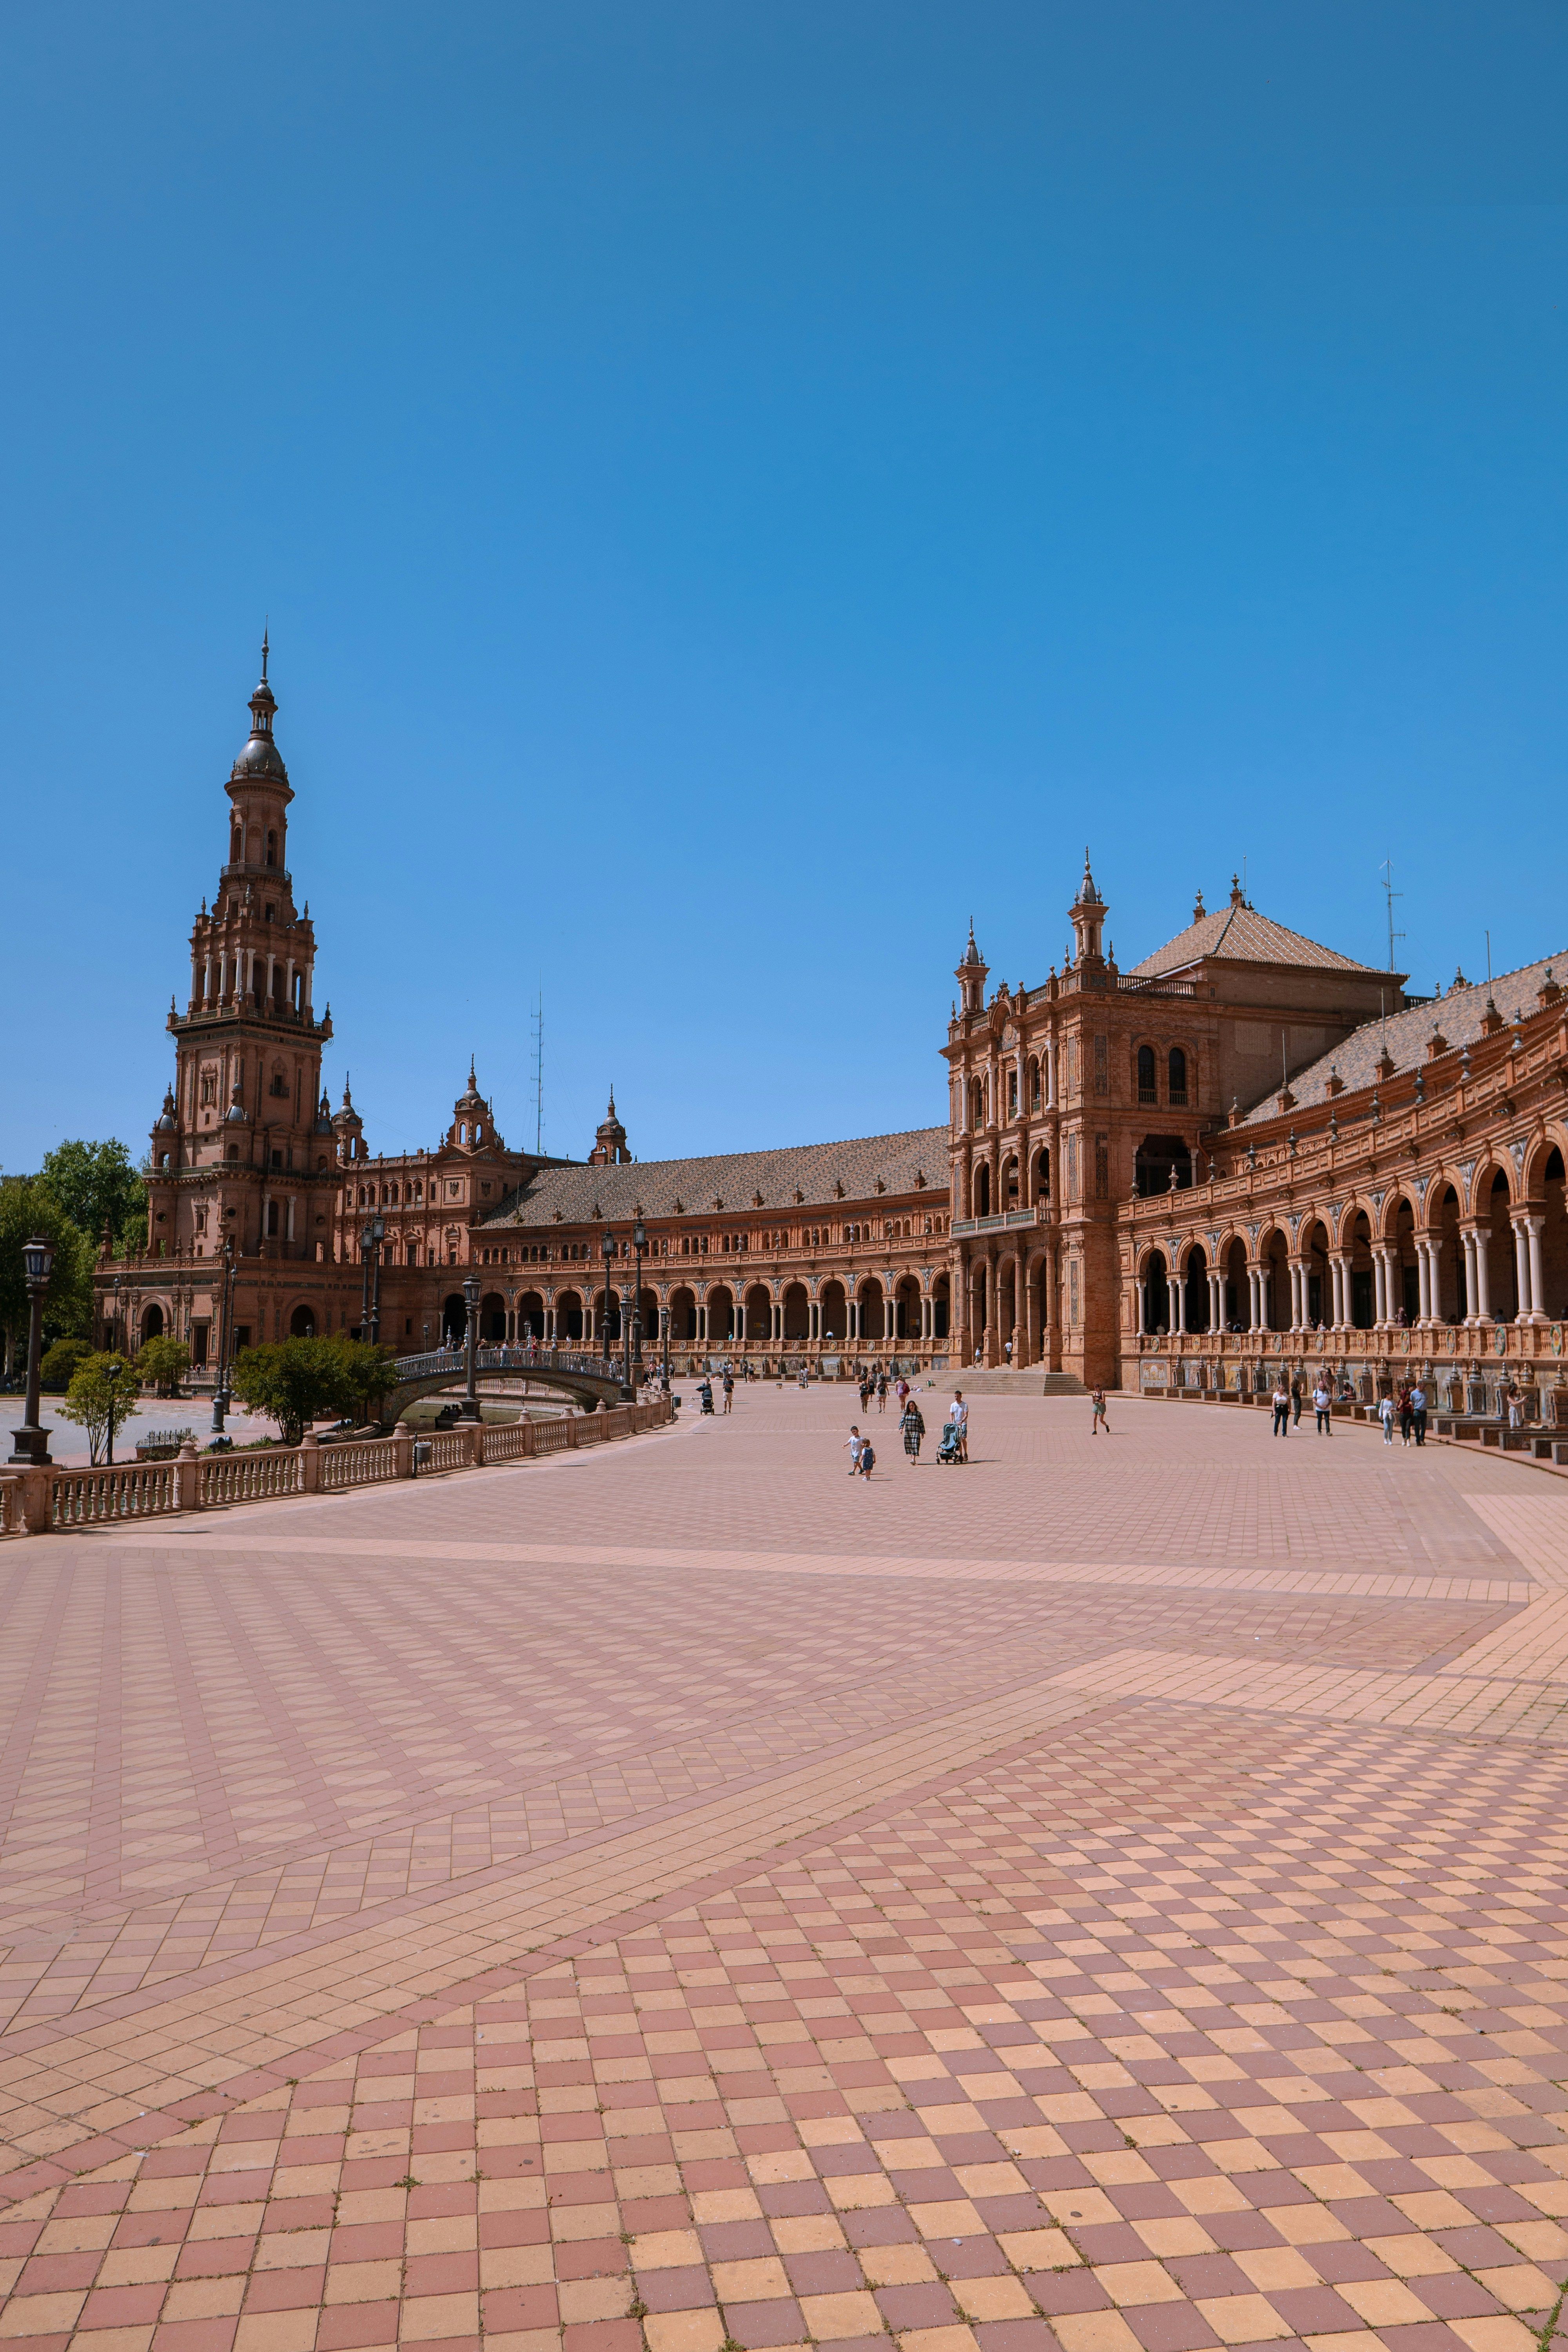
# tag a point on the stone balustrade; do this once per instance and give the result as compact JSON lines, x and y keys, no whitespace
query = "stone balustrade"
{"x":55,"y":1500}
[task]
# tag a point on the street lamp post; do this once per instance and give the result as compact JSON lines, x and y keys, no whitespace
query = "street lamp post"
{"x":639,"y":1243}
{"x":225,"y":1336}
{"x":30,"y":1445}
{"x":427,"y":1330}
{"x":664,"y":1344}
{"x":471,"y":1336}
{"x":371,"y":1240}
{"x":608,"y":1246}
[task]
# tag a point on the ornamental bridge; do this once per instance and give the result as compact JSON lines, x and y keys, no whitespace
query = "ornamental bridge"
{"x":572,"y":1372}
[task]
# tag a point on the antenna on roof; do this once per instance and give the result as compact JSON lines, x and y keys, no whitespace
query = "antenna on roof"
{"x":1390,"y":893}
{"x":1488,"y":963}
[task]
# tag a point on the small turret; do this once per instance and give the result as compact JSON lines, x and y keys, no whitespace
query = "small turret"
{"x":970,"y":973}
{"x":1088,"y":913}
{"x":609,"y":1140}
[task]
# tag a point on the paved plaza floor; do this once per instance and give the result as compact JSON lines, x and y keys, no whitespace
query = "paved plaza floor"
{"x":1109,"y":1896}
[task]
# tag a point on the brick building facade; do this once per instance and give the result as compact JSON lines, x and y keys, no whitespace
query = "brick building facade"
{"x":1244,"y":1109}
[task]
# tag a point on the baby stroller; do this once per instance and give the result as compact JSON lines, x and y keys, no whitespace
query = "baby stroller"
{"x":947,"y":1450}
{"x":706,"y":1394}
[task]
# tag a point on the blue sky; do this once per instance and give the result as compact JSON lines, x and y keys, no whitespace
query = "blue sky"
{"x":737,"y":492}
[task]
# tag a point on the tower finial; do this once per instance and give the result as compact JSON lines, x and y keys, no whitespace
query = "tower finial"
{"x":473,"y":1083}
{"x":264,"y":653}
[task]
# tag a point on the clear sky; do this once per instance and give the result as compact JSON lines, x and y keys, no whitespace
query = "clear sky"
{"x":737,"y":490}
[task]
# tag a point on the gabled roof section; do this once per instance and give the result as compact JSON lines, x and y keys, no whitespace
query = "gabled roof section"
{"x":1241,"y":935}
{"x":1457,"y":1017}
{"x":735,"y":1178}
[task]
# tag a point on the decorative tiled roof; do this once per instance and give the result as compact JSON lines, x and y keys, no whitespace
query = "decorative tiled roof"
{"x":1241,"y":935}
{"x":1457,"y":1017}
{"x":694,"y":1188}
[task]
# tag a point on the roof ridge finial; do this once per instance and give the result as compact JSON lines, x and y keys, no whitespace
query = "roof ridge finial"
{"x":473,"y":1082}
{"x":264,"y":651}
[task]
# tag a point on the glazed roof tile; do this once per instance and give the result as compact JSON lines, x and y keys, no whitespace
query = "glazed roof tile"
{"x":1458,"y":1015}
{"x":733,"y":1178}
{"x":1241,"y":935}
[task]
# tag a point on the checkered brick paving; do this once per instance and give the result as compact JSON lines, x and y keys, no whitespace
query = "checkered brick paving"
{"x":544,"y":1908}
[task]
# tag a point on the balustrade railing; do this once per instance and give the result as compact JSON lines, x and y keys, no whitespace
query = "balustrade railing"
{"x":36,"y":1502}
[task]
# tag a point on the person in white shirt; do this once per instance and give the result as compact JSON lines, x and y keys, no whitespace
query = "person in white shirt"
{"x":958,"y":1414}
{"x":1322,"y":1406}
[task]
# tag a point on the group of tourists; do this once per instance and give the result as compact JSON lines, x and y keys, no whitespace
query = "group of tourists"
{"x":955,"y":1446}
{"x":1408,"y":1405}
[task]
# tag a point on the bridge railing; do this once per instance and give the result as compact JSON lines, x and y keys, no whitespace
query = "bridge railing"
{"x":453,"y":1361}
{"x":40,"y":1502}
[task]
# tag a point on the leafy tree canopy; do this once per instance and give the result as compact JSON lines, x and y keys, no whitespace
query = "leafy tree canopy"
{"x":104,"y":1394}
{"x":164,"y":1362}
{"x":296,"y":1381}
{"x":95,"y":1185}
{"x":59,"y":1363}
{"x":28,"y":1206}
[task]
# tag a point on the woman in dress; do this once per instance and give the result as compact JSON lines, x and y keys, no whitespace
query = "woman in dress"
{"x":913,"y":1426}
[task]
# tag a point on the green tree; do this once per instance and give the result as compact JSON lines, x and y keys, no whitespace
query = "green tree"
{"x":28,"y":1206}
{"x":296,"y":1381}
{"x":104,"y":1394}
{"x":95,"y":1185}
{"x":367,"y":1372}
{"x":164,"y":1362}
{"x":58,"y":1364}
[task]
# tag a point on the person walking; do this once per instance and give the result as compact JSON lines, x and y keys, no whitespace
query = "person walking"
{"x":1385,"y":1415}
{"x":1323,"y":1406}
{"x":729,"y":1387}
{"x":958,"y":1414}
{"x":1098,"y":1420}
{"x":867,"y":1458}
{"x":911,"y":1423}
{"x":1295,"y":1400}
{"x":1281,"y":1401}
{"x":900,"y":1389}
{"x":1418,"y":1412}
{"x":856,"y":1443}
{"x":1402,"y":1408}
{"x":881,"y":1392}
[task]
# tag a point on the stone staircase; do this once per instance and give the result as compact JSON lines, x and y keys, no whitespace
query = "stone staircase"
{"x":1034,"y":1383}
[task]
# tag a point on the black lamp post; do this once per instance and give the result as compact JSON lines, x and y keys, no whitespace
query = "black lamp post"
{"x":225,"y":1336}
{"x":30,"y":1446}
{"x":664,"y":1344}
{"x":371,"y":1240}
{"x":639,"y":1243}
{"x":471,"y":1336}
{"x":608,"y":1246}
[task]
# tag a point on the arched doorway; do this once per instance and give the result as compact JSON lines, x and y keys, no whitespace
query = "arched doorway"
{"x":796,"y":1312}
{"x":1195,"y":1278}
{"x":907,"y":1310}
{"x":759,"y":1313}
{"x":1156,"y":1293}
{"x":454,"y":1318}
{"x":1497,"y":1239}
{"x":941,"y":1305}
{"x":721,"y":1315}
{"x":1451,"y":1304}
{"x":492,"y":1318}
{"x":873,"y":1315}
{"x":1361,"y":1296}
{"x":835,"y":1314}
{"x":1554,"y":1239}
{"x":982,"y":1189}
{"x":569,"y":1319}
{"x":1315,"y":1251}
{"x":1238,"y":1290}
{"x":153,"y":1322}
{"x":1276,"y":1255}
{"x":530,"y":1316}
{"x":302,"y":1323}
{"x":682,"y":1315}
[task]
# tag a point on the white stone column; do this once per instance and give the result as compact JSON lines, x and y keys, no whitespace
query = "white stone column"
{"x":1255,"y":1298}
{"x":1483,"y":1275}
{"x":1522,"y":1267}
{"x":271,"y":967}
{"x":1142,"y":1288}
{"x":1217,"y":1302}
{"x":1424,"y":1275}
{"x":1534,"y":1228}
{"x":1178,"y":1301}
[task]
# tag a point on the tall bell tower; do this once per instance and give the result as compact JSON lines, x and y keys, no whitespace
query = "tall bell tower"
{"x":238,"y":1137}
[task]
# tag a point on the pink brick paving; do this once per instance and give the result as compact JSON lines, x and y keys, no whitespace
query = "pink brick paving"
{"x":1108,"y":1897}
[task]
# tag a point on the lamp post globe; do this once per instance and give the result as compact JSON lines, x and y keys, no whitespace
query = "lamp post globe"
{"x":30,"y":1444}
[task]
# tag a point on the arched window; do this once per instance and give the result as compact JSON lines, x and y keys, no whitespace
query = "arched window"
{"x":1178,"y":1072}
{"x":1146,"y":1091}
{"x":1034,"y":1086}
